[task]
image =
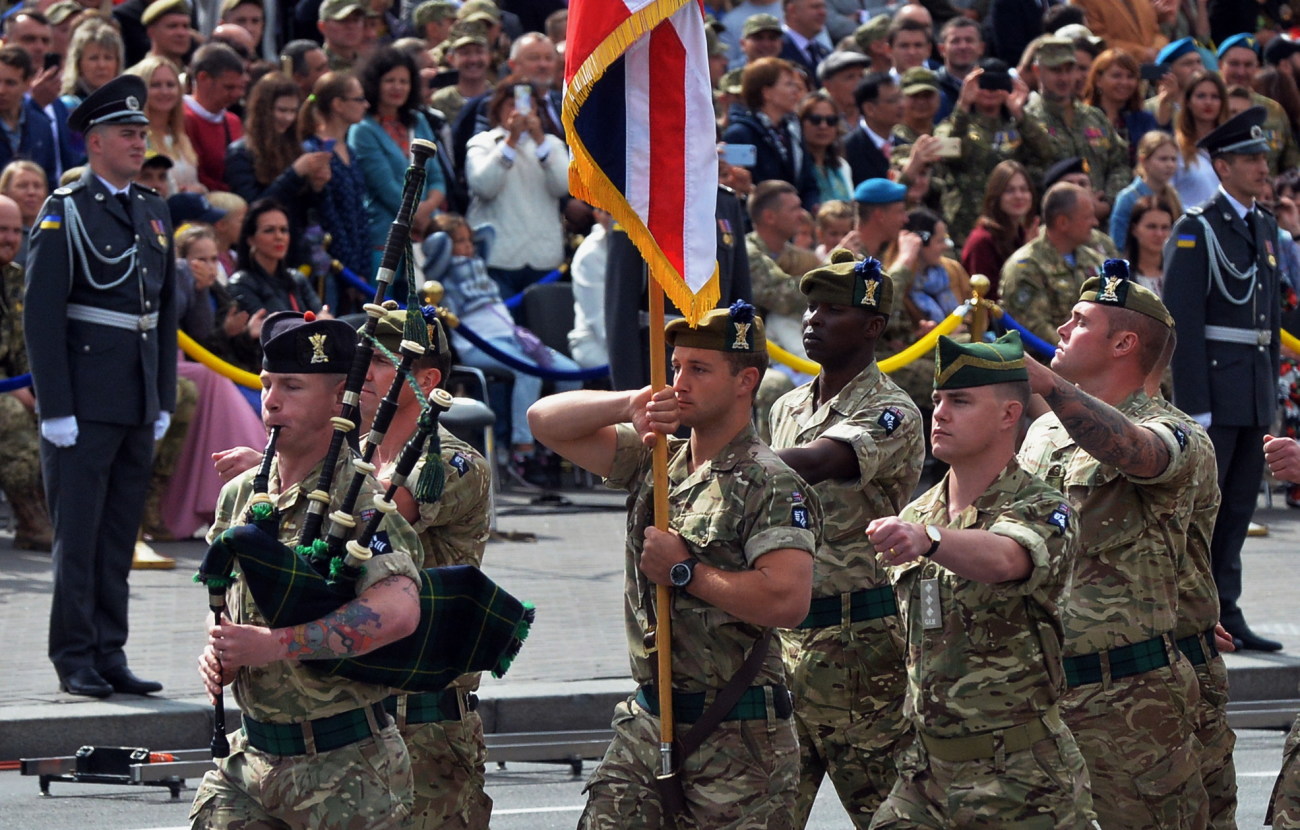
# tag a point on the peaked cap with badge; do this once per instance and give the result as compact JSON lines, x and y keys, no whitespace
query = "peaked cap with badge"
{"x":849,"y":281}
{"x":964,"y":365}
{"x":735,"y":329}
{"x":294,"y":343}
{"x":1115,"y":288}
{"x":120,"y":101}
{"x":1243,"y":134}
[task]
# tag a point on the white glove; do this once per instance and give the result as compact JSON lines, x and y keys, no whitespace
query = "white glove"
{"x":61,"y":432}
{"x":1203,"y":419}
{"x":160,"y":425}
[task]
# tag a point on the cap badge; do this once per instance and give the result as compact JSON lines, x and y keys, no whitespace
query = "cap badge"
{"x":318,"y":348}
{"x":132,"y":103}
{"x":1256,"y":131}
{"x":1108,"y":294}
{"x":742,"y":336}
{"x":869,"y":297}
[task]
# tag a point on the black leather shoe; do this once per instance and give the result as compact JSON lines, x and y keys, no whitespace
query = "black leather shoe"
{"x":125,"y":681}
{"x":86,"y":682}
{"x":1247,"y":640}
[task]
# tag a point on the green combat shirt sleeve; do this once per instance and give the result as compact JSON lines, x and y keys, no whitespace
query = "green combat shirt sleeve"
{"x":454,"y":529}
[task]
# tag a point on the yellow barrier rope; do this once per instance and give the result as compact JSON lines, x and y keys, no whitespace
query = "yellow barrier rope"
{"x":1290,"y":341}
{"x":201,"y":355}
{"x":893,"y":363}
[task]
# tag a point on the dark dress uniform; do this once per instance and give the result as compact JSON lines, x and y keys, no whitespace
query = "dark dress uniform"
{"x":1221,"y":286}
{"x":626,"y":299}
{"x":100,"y":320}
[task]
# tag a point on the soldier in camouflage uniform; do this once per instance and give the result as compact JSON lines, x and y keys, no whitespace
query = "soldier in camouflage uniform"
{"x":20,"y":452}
{"x":1238,"y":62}
{"x":442,"y":730}
{"x":738,"y":554}
{"x":1040,"y":280}
{"x":1283,"y":458}
{"x":989,"y":120}
{"x":315,"y":751}
{"x":856,"y":437}
{"x":1128,"y":466}
{"x":1077,"y":129}
{"x":981,"y":565}
{"x":1197,"y":632}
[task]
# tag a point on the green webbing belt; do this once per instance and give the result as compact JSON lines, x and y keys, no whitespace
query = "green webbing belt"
{"x":329,"y":733}
{"x":689,"y":706}
{"x":868,"y":604}
{"x":1194,"y":648}
{"x":430,"y":707}
{"x":1125,"y":661}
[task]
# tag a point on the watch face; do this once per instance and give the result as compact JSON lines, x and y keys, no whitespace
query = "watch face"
{"x":680,"y":574}
{"x":933,"y":533}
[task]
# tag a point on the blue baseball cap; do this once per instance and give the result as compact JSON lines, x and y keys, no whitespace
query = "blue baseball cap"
{"x":1175,"y":50}
{"x":1245,"y":40}
{"x":879,"y":192}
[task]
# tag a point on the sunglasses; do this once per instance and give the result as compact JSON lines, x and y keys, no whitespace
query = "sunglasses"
{"x":822,"y":120}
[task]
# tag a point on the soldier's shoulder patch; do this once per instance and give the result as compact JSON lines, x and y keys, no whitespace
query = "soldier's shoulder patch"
{"x":799,"y":516}
{"x":1180,"y":435}
{"x":1060,"y":517}
{"x":379,"y":543}
{"x":460,"y":462}
{"x":891,"y":417}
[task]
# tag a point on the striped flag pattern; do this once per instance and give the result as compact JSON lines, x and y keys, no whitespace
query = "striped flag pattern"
{"x":638,"y":116}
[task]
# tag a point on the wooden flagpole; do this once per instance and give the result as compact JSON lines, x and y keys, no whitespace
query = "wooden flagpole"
{"x":663,"y":593}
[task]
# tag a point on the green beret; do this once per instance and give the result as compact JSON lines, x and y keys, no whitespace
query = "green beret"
{"x":963,"y":365}
{"x":848,"y":281}
{"x":735,"y":329}
{"x":1055,"y":51}
{"x":877,"y":28}
{"x":158,"y":8}
{"x":1114,"y":288}
{"x":390,"y":328}
{"x":300,"y":344}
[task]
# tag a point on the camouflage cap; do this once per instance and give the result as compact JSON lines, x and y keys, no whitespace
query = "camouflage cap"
{"x":919,"y":79}
{"x":484,"y":10}
{"x":760,"y":23}
{"x":730,"y":82}
{"x":158,"y":8}
{"x":735,"y":329}
{"x":433,"y":11}
{"x":231,"y":5}
{"x":875,"y":29}
{"x":848,"y":281}
{"x":1055,"y":51}
{"x":1114,"y":288}
{"x":465,"y":34}
{"x":336,"y":10}
{"x":389,"y":332}
{"x":713,"y":44}
{"x":300,"y":344}
{"x":963,"y":365}
{"x":61,"y":11}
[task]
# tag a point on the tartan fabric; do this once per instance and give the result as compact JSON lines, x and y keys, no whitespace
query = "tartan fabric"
{"x":467,"y":623}
{"x":868,"y":604}
{"x":689,"y":706}
{"x":1125,"y":661}
{"x":329,"y":733}
{"x":429,"y":707}
{"x":1194,"y":648}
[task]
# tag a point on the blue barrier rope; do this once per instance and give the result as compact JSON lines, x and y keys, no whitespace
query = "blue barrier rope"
{"x":515,"y":301}
{"x":349,"y":276}
{"x":20,"y":382}
{"x":1030,"y":339}
{"x":530,"y":368}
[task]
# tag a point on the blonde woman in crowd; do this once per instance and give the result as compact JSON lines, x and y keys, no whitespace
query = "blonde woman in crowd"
{"x":166,"y":111}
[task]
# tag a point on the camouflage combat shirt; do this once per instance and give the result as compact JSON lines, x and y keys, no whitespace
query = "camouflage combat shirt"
{"x":879,"y":422}
{"x":1039,"y":287}
{"x":287,"y":691}
{"x":1089,"y":136}
{"x":994,"y":661}
{"x":739,"y":505}
{"x":1133,"y":531}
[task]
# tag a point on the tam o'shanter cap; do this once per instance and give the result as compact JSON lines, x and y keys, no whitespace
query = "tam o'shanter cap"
{"x":734,"y":329}
{"x":1055,"y":51}
{"x":389,"y":330}
{"x":1175,"y":50}
{"x":300,"y":344}
{"x":1245,"y":40}
{"x":879,"y":192}
{"x":1243,"y":134}
{"x":760,"y":23}
{"x":120,"y":101}
{"x":848,"y":281}
{"x":158,"y":8}
{"x":963,"y":365}
{"x":1114,"y":288}
{"x":875,"y":29}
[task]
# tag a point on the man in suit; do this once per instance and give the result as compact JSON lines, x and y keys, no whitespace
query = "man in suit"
{"x":867,"y":148}
{"x":804,"y":41}
{"x":26,"y":130}
{"x":1221,"y":286}
{"x":100,"y":321}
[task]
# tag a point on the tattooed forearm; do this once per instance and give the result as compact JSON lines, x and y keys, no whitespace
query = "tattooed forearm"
{"x":352,"y":630}
{"x":1106,"y":434}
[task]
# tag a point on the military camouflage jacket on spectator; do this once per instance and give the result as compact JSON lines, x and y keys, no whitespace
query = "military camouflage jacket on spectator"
{"x":287,"y":691}
{"x":1090,"y":137}
{"x":13,"y":350}
{"x":775,"y":291}
{"x":1283,"y":152}
{"x":985,"y":143}
{"x":1133,"y":531}
{"x":994,"y":660}
{"x":730,"y":510}
{"x":882,"y":426}
{"x":1039,"y":287}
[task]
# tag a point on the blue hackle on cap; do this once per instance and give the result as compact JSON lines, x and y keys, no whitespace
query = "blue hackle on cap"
{"x":742,"y":312}
{"x":1115,"y":268}
{"x":868,"y":268}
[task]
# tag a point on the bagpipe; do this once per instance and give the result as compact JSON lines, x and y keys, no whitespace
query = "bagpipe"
{"x":467,"y":622}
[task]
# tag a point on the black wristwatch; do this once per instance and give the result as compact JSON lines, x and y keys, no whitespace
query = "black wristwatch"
{"x":935,"y":539}
{"x":682,"y":573}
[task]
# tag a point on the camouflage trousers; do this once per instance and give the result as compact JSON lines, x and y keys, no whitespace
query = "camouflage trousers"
{"x":362,"y":786}
{"x":848,"y":683}
{"x":742,"y":778}
{"x":20,"y":448}
{"x":1143,"y":760}
{"x":1218,"y":772}
{"x":447,"y":761}
{"x":1284,"y":805}
{"x":1044,"y":787}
